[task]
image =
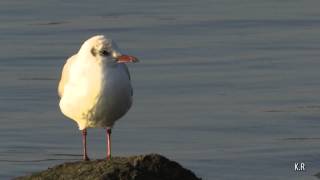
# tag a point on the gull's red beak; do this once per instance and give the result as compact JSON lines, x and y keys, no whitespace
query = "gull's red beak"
{"x":126,"y":59}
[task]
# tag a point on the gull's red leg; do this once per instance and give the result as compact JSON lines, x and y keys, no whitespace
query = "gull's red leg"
{"x":108,"y":134}
{"x":84,"y":145}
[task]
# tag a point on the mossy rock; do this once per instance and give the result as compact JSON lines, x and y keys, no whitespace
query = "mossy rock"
{"x":142,"y":167}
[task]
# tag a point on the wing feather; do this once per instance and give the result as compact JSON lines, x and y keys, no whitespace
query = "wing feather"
{"x":128,"y":73}
{"x":65,"y":75}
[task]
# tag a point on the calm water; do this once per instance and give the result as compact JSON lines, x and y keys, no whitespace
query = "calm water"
{"x":230,"y":89}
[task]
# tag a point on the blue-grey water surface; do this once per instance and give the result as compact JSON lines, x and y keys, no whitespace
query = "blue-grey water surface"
{"x":230,"y":89}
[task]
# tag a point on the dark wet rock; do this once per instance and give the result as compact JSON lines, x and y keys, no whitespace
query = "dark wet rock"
{"x":143,"y":167}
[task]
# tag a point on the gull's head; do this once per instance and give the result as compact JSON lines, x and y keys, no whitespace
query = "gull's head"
{"x":104,"y":49}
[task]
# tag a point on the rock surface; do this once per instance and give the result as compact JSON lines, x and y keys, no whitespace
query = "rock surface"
{"x":143,"y":167}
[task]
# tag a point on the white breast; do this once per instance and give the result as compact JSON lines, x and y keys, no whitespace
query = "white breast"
{"x":97,"y":94}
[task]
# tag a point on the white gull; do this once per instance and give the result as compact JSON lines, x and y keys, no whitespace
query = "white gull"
{"x":95,"y":87}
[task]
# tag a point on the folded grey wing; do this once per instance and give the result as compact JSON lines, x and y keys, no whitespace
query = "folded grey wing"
{"x":65,"y":75}
{"x":127,"y":70}
{"x":128,"y":73}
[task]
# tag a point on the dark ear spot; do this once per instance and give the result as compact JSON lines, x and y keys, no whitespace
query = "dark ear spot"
{"x":94,"y":51}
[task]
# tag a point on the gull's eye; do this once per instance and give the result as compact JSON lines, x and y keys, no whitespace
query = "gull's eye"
{"x":104,"y":53}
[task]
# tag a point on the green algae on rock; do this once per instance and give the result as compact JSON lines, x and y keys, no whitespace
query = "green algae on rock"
{"x":142,"y":167}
